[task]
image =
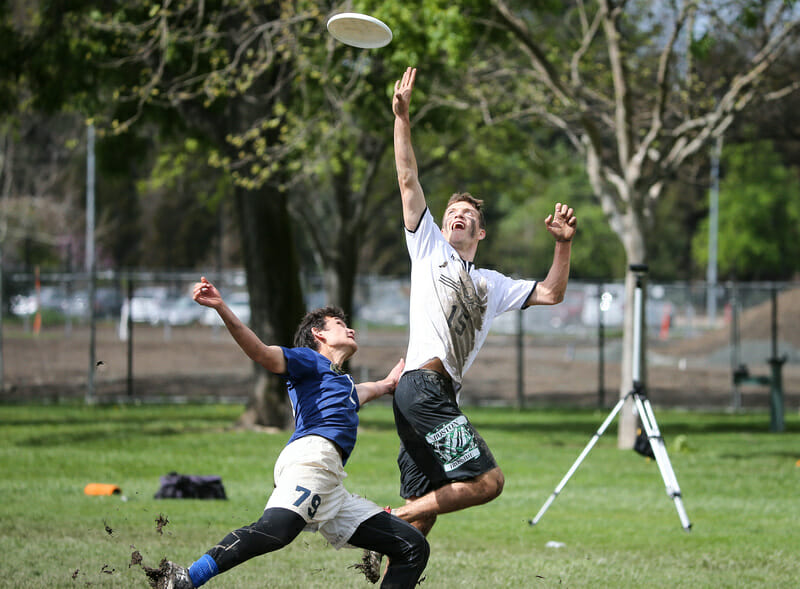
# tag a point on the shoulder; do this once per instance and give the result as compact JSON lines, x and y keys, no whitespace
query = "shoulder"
{"x":492,"y":276}
{"x":426,"y":238}
{"x":426,"y":224}
{"x":301,"y":360}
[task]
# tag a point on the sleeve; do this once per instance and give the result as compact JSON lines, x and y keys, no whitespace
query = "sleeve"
{"x":425,"y":238}
{"x":512,"y":293}
{"x":299,"y":362}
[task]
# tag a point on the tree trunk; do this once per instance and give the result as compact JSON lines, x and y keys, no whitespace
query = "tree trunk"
{"x":339,"y":275}
{"x":276,"y":298}
{"x":633,"y":241}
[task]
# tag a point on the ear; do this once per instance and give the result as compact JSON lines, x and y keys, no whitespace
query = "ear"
{"x":481,"y":234}
{"x":318,"y":335}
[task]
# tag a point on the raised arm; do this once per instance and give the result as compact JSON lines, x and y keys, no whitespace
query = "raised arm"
{"x":407,"y":173}
{"x":270,"y":357}
{"x":561,"y":225}
{"x":368,"y":391}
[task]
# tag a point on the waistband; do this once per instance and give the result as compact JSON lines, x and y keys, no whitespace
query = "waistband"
{"x":436,"y":365}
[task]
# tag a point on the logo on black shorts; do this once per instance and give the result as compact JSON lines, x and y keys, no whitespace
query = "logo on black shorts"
{"x":454,"y":443}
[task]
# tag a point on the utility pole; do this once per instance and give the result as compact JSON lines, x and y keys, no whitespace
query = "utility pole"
{"x":713,"y":231}
{"x":90,"y":264}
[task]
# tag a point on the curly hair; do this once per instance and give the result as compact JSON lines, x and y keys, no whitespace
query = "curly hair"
{"x":303,"y":337}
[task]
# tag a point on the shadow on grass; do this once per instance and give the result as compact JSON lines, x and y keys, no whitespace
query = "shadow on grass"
{"x":112,"y":414}
{"x":588,"y":421}
{"x":128,"y":432}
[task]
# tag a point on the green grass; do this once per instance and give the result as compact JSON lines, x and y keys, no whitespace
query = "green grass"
{"x":619,"y":529}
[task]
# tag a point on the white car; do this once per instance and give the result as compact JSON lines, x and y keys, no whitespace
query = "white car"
{"x":239,"y":303}
{"x":182,"y":311}
{"x":147,"y":304}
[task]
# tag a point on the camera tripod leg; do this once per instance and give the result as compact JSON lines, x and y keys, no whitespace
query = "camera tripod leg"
{"x":650,"y":426}
{"x":600,"y":431}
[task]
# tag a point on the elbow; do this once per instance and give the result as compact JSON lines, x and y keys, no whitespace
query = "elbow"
{"x":548,"y":296}
{"x":407,"y":179}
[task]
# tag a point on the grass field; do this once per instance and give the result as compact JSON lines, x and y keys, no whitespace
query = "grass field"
{"x":614,"y":520}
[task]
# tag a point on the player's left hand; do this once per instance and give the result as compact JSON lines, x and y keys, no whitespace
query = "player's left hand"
{"x":401,"y":100}
{"x":206,"y":293}
{"x":561,"y":224}
{"x":393,"y":377}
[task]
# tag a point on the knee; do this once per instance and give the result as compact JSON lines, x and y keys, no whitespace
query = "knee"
{"x":422,"y":551}
{"x":424,"y":524}
{"x":417,"y":550}
{"x":412,"y":547}
{"x":493,"y":483}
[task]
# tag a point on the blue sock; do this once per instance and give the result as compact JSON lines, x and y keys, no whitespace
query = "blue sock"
{"x":202,"y":570}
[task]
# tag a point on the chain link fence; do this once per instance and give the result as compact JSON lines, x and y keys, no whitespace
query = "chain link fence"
{"x":711,"y":348}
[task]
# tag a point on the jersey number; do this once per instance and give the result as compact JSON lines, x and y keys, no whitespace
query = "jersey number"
{"x":457,"y":323}
{"x":315,"y":500}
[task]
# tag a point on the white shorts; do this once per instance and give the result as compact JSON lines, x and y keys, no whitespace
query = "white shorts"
{"x":309,"y":481}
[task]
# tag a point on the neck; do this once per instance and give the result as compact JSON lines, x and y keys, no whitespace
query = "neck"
{"x":337,"y":357}
{"x":467,"y":252}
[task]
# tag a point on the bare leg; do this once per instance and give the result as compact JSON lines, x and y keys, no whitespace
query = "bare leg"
{"x":422,"y":511}
{"x":423,"y":524}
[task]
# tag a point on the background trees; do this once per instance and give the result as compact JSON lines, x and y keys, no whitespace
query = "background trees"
{"x":621,"y":81}
{"x":227,"y":119}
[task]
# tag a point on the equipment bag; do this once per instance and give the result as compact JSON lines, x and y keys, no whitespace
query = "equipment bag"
{"x":642,"y":444}
{"x":185,"y":486}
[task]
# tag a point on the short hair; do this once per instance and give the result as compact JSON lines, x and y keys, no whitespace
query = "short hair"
{"x":475,"y":202}
{"x":303,"y":338}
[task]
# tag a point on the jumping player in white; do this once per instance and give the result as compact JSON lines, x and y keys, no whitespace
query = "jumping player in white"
{"x":445,"y":465}
{"x":309,"y":492}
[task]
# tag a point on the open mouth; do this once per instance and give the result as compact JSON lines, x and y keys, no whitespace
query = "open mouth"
{"x":458,"y":225}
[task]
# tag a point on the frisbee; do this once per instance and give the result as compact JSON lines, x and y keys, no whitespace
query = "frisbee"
{"x":359,"y":30}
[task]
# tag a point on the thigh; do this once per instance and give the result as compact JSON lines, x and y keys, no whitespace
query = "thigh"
{"x":309,"y":481}
{"x":352,"y":512}
{"x":413,"y":481}
{"x":437,"y":436}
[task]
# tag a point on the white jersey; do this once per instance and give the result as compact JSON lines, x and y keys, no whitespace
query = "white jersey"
{"x":453,"y":304}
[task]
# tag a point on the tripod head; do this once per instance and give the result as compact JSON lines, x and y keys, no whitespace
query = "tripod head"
{"x":640,"y":272}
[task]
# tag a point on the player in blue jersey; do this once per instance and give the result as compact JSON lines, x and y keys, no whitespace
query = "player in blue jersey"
{"x":309,"y":492}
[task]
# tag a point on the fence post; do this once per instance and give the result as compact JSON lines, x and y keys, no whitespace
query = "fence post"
{"x":736,"y":400}
{"x":601,"y":350}
{"x":520,"y":361}
{"x":776,"y":378}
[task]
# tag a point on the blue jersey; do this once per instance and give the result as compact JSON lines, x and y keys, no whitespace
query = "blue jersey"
{"x":324,"y":399}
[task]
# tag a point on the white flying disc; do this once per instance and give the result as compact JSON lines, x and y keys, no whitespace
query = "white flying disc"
{"x":359,"y":30}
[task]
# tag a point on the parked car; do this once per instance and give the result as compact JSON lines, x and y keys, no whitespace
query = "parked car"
{"x":147,"y":303}
{"x":50,"y":297}
{"x":182,"y":311}
{"x":239,"y":303}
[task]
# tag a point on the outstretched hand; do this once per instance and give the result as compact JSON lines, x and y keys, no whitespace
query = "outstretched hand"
{"x":393,"y":377}
{"x":402,"y":93}
{"x":561,"y":224}
{"x":206,"y":293}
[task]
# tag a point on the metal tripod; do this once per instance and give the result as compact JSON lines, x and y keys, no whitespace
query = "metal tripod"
{"x":646,"y":415}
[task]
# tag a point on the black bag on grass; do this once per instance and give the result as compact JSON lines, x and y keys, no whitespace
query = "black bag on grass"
{"x":642,"y":444}
{"x":186,"y":486}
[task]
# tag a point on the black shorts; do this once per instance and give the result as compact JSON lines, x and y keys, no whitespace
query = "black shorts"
{"x":438,"y":444}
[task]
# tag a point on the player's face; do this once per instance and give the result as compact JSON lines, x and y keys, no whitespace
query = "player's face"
{"x":338,"y":335}
{"x":462,"y":223}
